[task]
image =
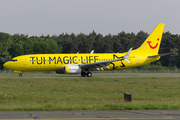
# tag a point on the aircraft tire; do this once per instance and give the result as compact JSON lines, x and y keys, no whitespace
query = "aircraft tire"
{"x":20,"y":74}
{"x":83,"y":74}
{"x":89,"y":74}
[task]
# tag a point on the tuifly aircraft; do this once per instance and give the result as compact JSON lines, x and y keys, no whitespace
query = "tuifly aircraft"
{"x":84,"y":63}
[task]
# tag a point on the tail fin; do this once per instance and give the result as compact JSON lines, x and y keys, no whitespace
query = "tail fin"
{"x":152,"y":43}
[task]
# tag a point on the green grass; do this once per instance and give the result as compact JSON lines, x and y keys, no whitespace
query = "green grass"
{"x":89,"y":93}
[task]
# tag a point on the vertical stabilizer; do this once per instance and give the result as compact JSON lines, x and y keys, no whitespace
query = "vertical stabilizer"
{"x":152,"y":43}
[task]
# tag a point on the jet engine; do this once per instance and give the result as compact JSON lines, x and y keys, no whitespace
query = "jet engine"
{"x":71,"y":69}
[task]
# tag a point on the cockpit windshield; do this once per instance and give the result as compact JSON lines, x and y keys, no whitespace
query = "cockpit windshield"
{"x":13,"y":60}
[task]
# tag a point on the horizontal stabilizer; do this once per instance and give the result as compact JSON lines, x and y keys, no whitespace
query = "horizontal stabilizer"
{"x":153,"y":56}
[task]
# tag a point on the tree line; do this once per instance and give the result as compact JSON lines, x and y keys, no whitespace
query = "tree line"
{"x":20,"y":44}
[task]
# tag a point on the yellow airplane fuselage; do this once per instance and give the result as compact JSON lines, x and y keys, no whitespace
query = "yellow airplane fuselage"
{"x":54,"y":62}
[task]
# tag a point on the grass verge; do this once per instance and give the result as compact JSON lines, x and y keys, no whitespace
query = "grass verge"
{"x":89,"y":93}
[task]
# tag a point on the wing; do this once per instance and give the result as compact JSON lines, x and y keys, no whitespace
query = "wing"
{"x":99,"y":65}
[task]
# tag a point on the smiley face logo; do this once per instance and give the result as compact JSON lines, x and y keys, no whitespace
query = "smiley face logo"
{"x":152,"y":47}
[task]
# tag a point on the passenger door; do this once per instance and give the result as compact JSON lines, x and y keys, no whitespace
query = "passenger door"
{"x":25,"y":61}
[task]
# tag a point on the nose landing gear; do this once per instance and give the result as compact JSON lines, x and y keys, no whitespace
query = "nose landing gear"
{"x":20,"y":74}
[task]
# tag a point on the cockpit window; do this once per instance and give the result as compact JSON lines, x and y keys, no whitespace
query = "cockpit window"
{"x":13,"y":60}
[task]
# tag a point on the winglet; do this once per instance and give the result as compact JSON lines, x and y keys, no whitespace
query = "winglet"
{"x":92,"y":52}
{"x":127,"y":55}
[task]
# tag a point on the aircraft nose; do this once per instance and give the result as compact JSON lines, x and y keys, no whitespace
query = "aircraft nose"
{"x":6,"y":65}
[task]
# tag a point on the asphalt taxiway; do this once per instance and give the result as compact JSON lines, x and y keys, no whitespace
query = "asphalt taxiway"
{"x":158,"y":76}
{"x":91,"y":115}
{"x":95,"y":75}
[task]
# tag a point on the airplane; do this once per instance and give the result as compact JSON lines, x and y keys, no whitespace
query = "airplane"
{"x":84,"y":63}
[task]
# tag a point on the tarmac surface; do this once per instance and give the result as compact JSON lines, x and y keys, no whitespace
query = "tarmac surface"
{"x":92,"y":115}
{"x":95,"y":76}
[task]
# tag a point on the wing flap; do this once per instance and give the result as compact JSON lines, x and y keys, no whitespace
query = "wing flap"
{"x":97,"y":64}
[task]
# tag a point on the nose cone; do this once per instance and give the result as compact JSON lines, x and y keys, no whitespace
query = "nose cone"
{"x":6,"y":65}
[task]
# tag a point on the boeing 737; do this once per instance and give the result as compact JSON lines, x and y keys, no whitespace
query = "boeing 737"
{"x":84,"y":63}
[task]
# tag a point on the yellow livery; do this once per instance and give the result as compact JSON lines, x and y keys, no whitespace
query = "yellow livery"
{"x":84,"y":63}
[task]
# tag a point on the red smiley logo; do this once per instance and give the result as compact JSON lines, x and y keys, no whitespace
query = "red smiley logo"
{"x":152,"y":47}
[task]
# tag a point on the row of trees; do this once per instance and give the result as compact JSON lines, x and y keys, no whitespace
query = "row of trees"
{"x":14,"y":45}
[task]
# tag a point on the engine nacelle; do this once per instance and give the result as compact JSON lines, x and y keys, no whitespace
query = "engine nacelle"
{"x":71,"y":69}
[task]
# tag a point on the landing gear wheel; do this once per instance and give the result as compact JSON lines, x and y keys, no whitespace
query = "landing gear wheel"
{"x":89,"y":74}
{"x":83,"y":74}
{"x":20,"y":74}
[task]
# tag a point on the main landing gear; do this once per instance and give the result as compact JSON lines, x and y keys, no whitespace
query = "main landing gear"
{"x":84,"y":74}
{"x":20,"y":74}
